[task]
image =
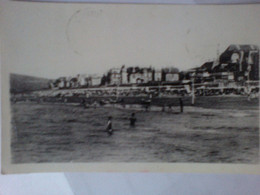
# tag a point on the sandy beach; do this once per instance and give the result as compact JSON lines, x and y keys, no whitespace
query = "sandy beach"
{"x":60,"y":132}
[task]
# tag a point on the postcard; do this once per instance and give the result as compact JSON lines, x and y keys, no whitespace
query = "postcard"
{"x":129,"y":88}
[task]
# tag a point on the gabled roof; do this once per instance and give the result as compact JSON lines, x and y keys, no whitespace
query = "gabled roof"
{"x":242,"y":47}
{"x":225,"y":57}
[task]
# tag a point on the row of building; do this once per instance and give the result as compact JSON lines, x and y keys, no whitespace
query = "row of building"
{"x":81,"y":80}
{"x":237,"y":63}
{"x":119,"y":76}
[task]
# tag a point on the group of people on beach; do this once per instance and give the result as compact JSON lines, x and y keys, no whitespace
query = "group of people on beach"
{"x":171,"y":105}
{"x":132,"y":120}
{"x":109,"y":128}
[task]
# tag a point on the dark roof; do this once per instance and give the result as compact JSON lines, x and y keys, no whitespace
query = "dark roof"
{"x":225,"y":57}
{"x":207,"y":66}
{"x":242,"y":48}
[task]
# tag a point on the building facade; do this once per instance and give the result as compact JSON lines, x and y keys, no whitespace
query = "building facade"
{"x":95,"y":80}
{"x":157,"y":75}
{"x":115,"y":76}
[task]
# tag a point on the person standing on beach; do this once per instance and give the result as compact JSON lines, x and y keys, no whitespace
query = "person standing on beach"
{"x":132,"y":120}
{"x":163,"y":108}
{"x":109,"y":126}
{"x":181,"y":105}
{"x":83,"y":103}
{"x":170,"y":107}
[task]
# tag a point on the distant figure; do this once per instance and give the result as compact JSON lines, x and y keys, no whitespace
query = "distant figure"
{"x":146,"y":106}
{"x":132,"y":120}
{"x":146,"y":103}
{"x":95,"y":104}
{"x":170,"y":107}
{"x":163,"y":108}
{"x":249,"y":97}
{"x":181,"y":105}
{"x":83,"y":103}
{"x":109,"y":126}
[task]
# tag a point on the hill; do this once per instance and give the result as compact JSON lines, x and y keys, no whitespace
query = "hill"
{"x":22,"y":83}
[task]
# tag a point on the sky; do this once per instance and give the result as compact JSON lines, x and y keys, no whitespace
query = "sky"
{"x":51,"y":40}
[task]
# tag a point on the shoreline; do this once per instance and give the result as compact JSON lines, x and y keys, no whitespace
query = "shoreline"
{"x":157,"y":104}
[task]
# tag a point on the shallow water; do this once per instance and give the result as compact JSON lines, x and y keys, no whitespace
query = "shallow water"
{"x":51,"y":132}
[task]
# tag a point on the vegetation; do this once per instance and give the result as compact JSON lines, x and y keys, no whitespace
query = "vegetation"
{"x":22,"y":83}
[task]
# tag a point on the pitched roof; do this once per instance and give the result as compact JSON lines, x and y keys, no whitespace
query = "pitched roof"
{"x":242,"y":47}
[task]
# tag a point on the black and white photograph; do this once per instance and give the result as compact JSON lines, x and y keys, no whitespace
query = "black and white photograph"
{"x":130,"y":84}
